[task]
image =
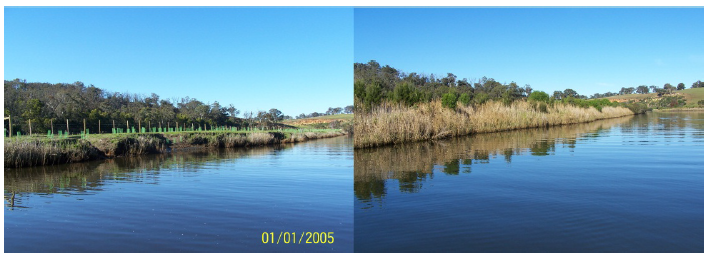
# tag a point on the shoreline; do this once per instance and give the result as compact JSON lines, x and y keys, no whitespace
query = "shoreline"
{"x":677,"y":109}
{"x":396,"y":124}
{"x":39,"y":152}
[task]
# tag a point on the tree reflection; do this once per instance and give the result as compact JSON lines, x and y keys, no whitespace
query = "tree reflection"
{"x":452,"y":167}
{"x":411,"y":164}
{"x":542,"y":148}
{"x":370,"y":189}
{"x":412,"y":182}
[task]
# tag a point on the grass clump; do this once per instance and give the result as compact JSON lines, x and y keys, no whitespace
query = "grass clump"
{"x":32,"y":152}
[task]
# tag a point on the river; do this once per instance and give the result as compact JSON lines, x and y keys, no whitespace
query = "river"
{"x":630,"y":184}
{"x":218,"y":200}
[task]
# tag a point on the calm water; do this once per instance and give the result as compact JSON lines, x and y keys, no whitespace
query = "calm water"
{"x":215,"y":201}
{"x":632,"y":184}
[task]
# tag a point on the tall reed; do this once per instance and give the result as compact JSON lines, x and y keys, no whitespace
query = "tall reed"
{"x":395,"y":123}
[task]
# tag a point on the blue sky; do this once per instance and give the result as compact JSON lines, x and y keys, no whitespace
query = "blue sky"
{"x":298,"y":60}
{"x":587,"y":49}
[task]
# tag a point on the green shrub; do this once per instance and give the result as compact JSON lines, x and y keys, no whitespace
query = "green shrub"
{"x":507,"y":98}
{"x":406,"y":94}
{"x":538,"y":96}
{"x":597,"y":104}
{"x":481,"y":98}
{"x":359,"y":90}
{"x":670,"y":102}
{"x":449,"y":99}
{"x":372,"y":94}
{"x":636,"y":107}
{"x":599,"y":108}
{"x":464,"y":99}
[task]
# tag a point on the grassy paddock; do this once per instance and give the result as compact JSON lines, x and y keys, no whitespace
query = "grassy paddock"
{"x":338,"y":116}
{"x":394,"y":123}
{"x":325,"y":117}
{"x":34,"y":151}
{"x":693,"y":95}
{"x":343,"y":121}
{"x":633,"y":96}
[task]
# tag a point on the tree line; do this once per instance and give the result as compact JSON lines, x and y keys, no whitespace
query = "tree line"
{"x":330,"y":111}
{"x":644,"y":89}
{"x":46,"y":104}
{"x":374,"y":83}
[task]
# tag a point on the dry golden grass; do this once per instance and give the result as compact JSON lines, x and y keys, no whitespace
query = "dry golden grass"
{"x":21,"y":153}
{"x":260,"y":138}
{"x":393,"y":123}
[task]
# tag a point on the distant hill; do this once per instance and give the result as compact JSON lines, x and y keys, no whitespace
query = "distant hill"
{"x":627,"y":97}
{"x":320,"y":119}
{"x":692,"y":95}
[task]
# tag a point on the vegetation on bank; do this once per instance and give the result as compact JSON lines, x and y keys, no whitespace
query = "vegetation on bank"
{"x":395,"y":107}
{"x":42,"y":107}
{"x":375,"y":84}
{"x":694,"y":95}
{"x":34,"y":151}
{"x":679,"y":109}
{"x":397,"y":123}
{"x":85,"y":122}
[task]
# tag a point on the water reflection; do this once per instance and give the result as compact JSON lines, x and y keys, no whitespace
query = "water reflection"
{"x":411,"y":165}
{"x":89,"y":178}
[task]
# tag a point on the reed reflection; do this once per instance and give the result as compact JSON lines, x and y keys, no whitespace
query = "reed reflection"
{"x":410,"y":165}
{"x":88,"y":178}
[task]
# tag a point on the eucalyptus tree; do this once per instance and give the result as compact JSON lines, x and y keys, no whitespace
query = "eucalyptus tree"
{"x":698,"y":84}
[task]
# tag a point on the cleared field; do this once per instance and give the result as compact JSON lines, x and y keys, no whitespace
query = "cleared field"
{"x":693,"y":95}
{"x":320,"y":119}
{"x":328,"y":117}
{"x":633,"y":96}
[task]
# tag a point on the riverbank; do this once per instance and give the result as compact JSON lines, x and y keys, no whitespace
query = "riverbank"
{"x":23,"y":152}
{"x":678,"y":109}
{"x":394,"y":123}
